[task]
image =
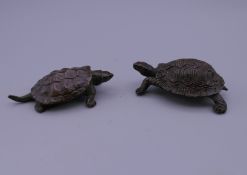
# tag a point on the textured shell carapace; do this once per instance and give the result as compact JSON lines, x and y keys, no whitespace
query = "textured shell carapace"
{"x":62,"y":85}
{"x":189,"y":77}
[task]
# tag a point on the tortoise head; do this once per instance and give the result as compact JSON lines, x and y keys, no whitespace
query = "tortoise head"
{"x":145,"y":69}
{"x":100,"y":76}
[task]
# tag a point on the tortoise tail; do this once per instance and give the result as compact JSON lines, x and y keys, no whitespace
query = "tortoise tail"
{"x":23,"y":99}
{"x":225,"y":88}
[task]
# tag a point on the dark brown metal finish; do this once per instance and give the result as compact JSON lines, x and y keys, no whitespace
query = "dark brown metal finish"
{"x":62,"y":86}
{"x":188,"y":77}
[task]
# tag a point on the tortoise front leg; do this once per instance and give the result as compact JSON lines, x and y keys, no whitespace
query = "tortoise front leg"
{"x":90,"y":95}
{"x":144,"y":86}
{"x":220,"y":105}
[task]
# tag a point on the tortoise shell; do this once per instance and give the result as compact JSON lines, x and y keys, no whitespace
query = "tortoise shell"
{"x":62,"y":85}
{"x":189,"y":77}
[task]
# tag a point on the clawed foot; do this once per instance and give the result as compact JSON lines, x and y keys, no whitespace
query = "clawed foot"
{"x":91,"y":103}
{"x":220,"y":109}
{"x":140,"y":91}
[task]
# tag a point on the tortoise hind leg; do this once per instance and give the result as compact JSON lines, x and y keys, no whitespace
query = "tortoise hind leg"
{"x":39,"y":107}
{"x":220,"y":105}
{"x":145,"y":85}
{"x":90,"y":96}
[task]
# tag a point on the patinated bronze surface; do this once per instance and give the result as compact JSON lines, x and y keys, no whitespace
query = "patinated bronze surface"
{"x":188,"y":77}
{"x":61,"y":86}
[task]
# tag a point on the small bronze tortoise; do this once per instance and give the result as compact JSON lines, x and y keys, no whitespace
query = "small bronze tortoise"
{"x":61,"y":86}
{"x":188,"y":77}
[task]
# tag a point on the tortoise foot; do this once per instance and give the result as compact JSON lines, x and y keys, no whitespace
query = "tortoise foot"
{"x":39,"y":108}
{"x":140,"y":91}
{"x":220,"y":105}
{"x":91,"y":104}
{"x":220,"y":109}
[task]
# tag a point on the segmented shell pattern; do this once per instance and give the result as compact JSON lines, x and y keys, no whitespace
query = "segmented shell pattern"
{"x":189,"y":77}
{"x":62,"y":85}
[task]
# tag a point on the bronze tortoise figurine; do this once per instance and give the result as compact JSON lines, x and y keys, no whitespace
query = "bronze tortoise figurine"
{"x":61,"y":86}
{"x":188,"y":77}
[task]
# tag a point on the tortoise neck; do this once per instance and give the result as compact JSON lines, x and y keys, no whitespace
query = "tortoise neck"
{"x":149,"y":72}
{"x":96,"y":77}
